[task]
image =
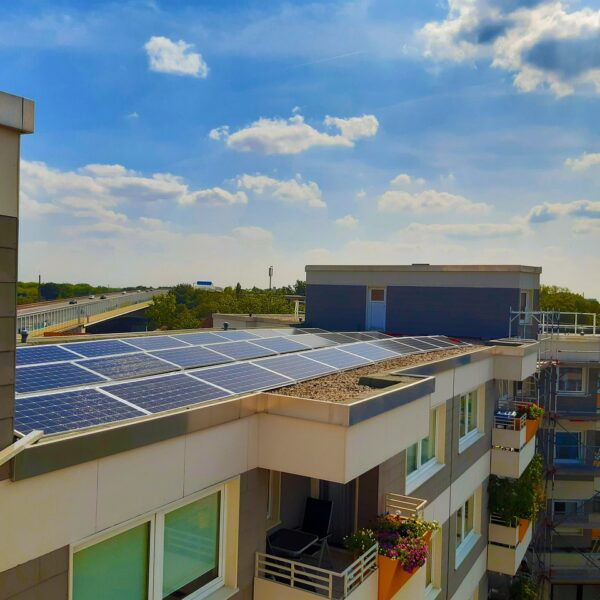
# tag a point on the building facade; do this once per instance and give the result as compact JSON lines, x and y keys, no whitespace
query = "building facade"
{"x":460,"y":300}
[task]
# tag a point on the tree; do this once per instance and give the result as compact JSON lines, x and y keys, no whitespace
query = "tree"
{"x":238,"y":289}
{"x":300,"y":288}
{"x":49,"y":291}
{"x":553,"y":297}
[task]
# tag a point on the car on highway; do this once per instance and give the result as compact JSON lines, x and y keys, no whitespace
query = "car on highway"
{"x":72,"y":301}
{"x":91,"y":297}
{"x":103,"y":297}
{"x":123,"y":292}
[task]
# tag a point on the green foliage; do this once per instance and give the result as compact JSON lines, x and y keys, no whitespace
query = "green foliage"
{"x":534,"y":411}
{"x":553,"y":297}
{"x":27,"y":291}
{"x":523,"y":589}
{"x":523,"y":498}
{"x":360,"y":541}
{"x":186,"y":307}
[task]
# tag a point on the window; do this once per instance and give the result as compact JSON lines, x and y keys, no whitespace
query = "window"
{"x":504,"y":389}
{"x":377,"y":295}
{"x":565,"y":510}
{"x":468,"y":413}
{"x":274,"y":499}
{"x":525,"y":305}
{"x":173,"y":554}
{"x":423,"y":452}
{"x":432,"y":566}
{"x":570,"y":380}
{"x":465,"y":521}
{"x":568,"y":446}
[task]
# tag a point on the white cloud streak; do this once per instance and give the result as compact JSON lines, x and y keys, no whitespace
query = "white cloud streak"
{"x":175,"y":58}
{"x":583,"y":162}
{"x":428,"y":201}
{"x":291,"y":191}
{"x":469,"y":230}
{"x":347,"y":222}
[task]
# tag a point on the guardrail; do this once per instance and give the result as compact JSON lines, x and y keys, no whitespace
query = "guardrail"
{"x":315,"y":580}
{"x":80,"y":313}
{"x":405,"y":506}
{"x":555,"y":321}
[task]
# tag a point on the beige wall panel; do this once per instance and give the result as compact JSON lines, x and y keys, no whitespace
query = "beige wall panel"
{"x":471,"y":581}
{"x":44,"y":513}
{"x":135,"y":482}
{"x":444,"y":388}
{"x":216,"y":454}
{"x":9,"y":172}
{"x":439,"y":509}
{"x":469,"y":481}
{"x":572,"y":490}
{"x":473,"y":375}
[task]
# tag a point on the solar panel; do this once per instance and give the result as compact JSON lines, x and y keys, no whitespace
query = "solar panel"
{"x":100,"y":348}
{"x":338,"y":338}
{"x":242,"y":377}
{"x":123,"y":367}
{"x":65,"y":411}
{"x":393,"y":346}
{"x":371,"y":351}
{"x":359,"y":336}
{"x":42,"y":354}
{"x":196,"y":356}
{"x":334,"y":357}
{"x":311,"y":330}
{"x":241,"y":350}
{"x":267,"y":333}
{"x":417,"y":343}
{"x":438,"y":343}
{"x":295,"y":366}
{"x":166,"y":393}
{"x":406,"y":347}
{"x":315,"y":341}
{"x":199,"y":339}
{"x":378,"y":335}
{"x":450,"y":341}
{"x":281,"y":344}
{"x":237,"y":335}
{"x":47,"y":377}
{"x":157,"y":342}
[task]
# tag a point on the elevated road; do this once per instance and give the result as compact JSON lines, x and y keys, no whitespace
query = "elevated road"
{"x":58,"y":316}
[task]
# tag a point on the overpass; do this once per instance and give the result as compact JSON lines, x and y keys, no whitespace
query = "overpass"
{"x":61,"y":316}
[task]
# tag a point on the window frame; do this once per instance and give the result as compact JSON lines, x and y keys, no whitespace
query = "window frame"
{"x":470,"y":437}
{"x":525,"y":313}
{"x":274,"y":499}
{"x":580,"y":446}
{"x":462,"y":550}
{"x":156,"y":541}
{"x":429,"y":468}
{"x":581,"y":392}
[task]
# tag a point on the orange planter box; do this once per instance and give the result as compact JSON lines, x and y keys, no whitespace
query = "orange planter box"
{"x":392,"y":576}
{"x":531,"y":427}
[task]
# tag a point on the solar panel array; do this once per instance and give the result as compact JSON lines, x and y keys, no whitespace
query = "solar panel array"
{"x":170,"y":372}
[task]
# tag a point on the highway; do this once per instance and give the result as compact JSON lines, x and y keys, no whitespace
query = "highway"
{"x":64,"y":303}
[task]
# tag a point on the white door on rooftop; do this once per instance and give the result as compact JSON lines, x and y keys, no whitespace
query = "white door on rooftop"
{"x":376,"y":309}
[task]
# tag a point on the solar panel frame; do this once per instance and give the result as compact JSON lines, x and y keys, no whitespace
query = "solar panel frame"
{"x":359,"y":336}
{"x":36,"y":378}
{"x":200,"y":339}
{"x":378,"y":335}
{"x":419,"y":345}
{"x":295,"y":366}
{"x":337,"y":358}
{"x":128,"y":366}
{"x":192,"y":357}
{"x":241,"y":378}
{"x":97,"y":348}
{"x":281,"y":345}
{"x":242,"y":350}
{"x":238,"y":335}
{"x":434,"y":344}
{"x":48,"y":353}
{"x":69,"y":411}
{"x":316,"y":341}
{"x":450,"y":340}
{"x":393,"y":346}
{"x":370,"y":351}
{"x":167,"y":392}
{"x":338,"y":338}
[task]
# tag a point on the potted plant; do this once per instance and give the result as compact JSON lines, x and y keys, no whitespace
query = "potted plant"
{"x":523,"y":589}
{"x":402,"y":549}
{"x":360,"y":541}
{"x":535,"y":414}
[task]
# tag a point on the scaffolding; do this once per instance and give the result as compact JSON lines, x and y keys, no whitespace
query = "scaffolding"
{"x":554,"y":529}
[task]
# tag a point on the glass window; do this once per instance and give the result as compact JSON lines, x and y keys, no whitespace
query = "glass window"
{"x":423,"y":451}
{"x":191,"y":547}
{"x":468,"y":413}
{"x":570,"y":379}
{"x":465,"y":520}
{"x":567,"y":446}
{"x":377,"y":295}
{"x":116,"y":568}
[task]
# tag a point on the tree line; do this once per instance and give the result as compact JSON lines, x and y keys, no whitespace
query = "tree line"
{"x":553,"y":297}
{"x":186,"y":307}
{"x":27,"y":291}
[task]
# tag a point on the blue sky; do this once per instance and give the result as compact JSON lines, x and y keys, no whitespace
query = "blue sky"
{"x":179,"y":141}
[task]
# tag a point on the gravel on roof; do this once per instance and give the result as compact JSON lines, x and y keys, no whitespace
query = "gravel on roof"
{"x":342,"y":386}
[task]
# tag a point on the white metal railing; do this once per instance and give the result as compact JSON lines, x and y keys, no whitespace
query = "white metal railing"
{"x":316,"y":580}
{"x":553,"y":322}
{"x":80,"y":313}
{"x":405,"y":506}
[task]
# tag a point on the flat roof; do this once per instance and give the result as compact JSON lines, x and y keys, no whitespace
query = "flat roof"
{"x":427,"y":267}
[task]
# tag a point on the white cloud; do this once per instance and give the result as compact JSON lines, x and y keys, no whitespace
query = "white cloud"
{"x":253,"y":234}
{"x":543,"y":42}
{"x":469,"y":230}
{"x":219,"y":197}
{"x":176,"y":58}
{"x":428,"y":201}
{"x":291,"y":191}
{"x":583,"y":162}
{"x":361,"y":195}
{"x":133,"y":115}
{"x":586,"y":226}
{"x":294,"y":135}
{"x":404,"y":179}
{"x":347,"y":222}
{"x":548,"y":211}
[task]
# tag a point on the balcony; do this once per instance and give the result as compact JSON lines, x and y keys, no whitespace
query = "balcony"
{"x":576,"y":458}
{"x":515,"y":360}
{"x":507,"y":544}
{"x":278,"y":578}
{"x":513,"y":438}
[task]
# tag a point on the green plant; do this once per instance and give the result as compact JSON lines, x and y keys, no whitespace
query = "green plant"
{"x":523,"y":498}
{"x":405,"y":527}
{"x":523,"y":589}
{"x":360,"y":541}
{"x":534,"y":411}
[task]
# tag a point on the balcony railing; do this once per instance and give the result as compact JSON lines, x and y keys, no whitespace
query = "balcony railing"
{"x":405,"y":506}
{"x":275,"y":570}
{"x":577,"y":458}
{"x":554,"y":322}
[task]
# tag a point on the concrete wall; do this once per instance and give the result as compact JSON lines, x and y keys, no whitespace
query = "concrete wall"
{"x":16,"y":117}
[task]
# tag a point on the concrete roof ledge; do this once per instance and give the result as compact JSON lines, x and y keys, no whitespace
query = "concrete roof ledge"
{"x":427,"y":267}
{"x":16,"y":113}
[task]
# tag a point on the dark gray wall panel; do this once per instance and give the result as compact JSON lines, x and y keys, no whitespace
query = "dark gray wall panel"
{"x":336,"y":307}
